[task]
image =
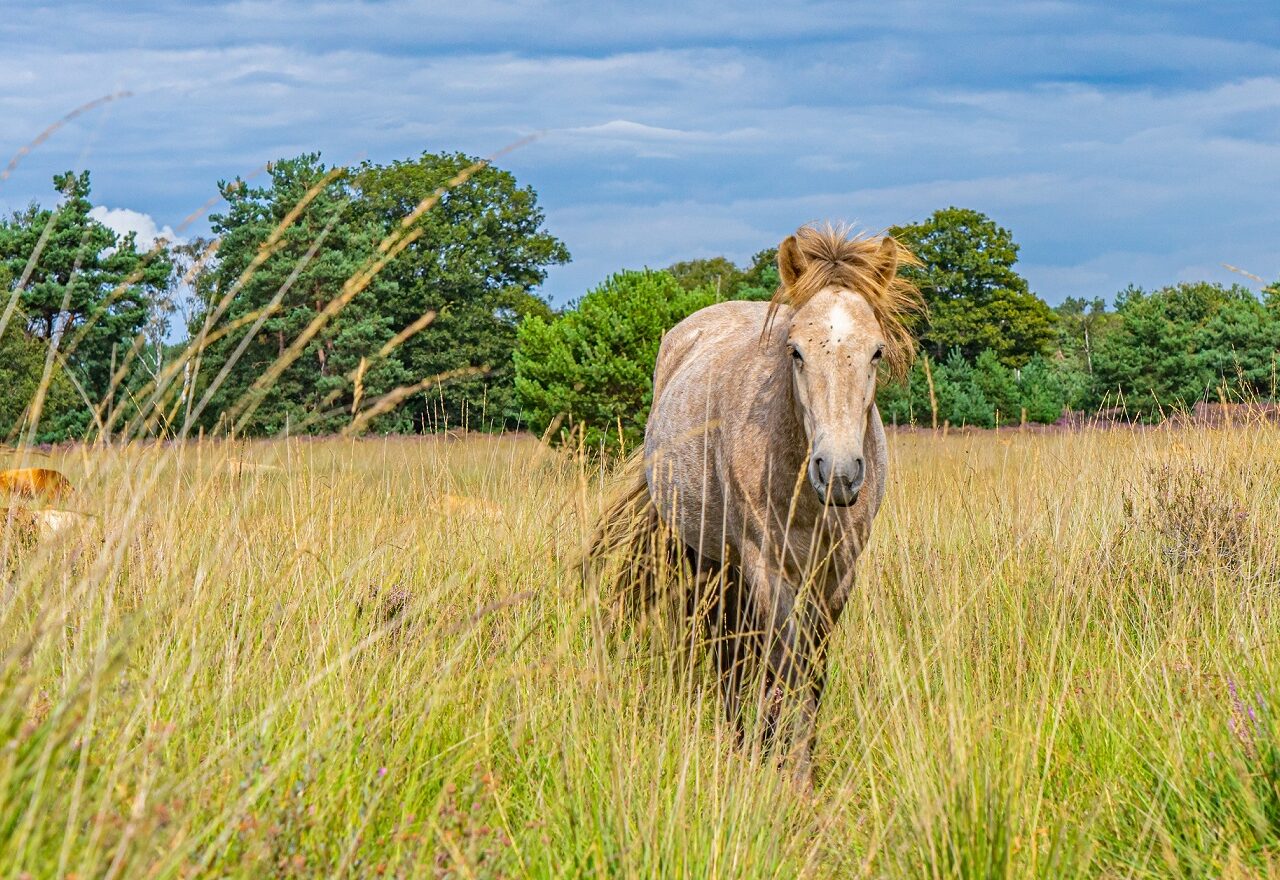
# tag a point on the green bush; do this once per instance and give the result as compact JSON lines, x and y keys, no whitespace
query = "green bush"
{"x":592,"y":365}
{"x":1189,"y":342}
{"x":999,"y":386}
{"x":982,"y":393}
{"x":1043,"y":391}
{"x":22,"y":364}
{"x":961,"y":400}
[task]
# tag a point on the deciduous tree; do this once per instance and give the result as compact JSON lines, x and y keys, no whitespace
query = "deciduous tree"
{"x":977,"y":301}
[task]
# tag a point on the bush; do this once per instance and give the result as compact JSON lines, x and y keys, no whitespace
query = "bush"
{"x":1043,"y":391}
{"x":592,"y":366}
{"x":961,"y":400}
{"x":1178,"y":345}
{"x":982,"y":392}
{"x":999,"y":386}
{"x":22,"y":361}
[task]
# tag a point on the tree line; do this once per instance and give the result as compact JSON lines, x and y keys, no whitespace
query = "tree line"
{"x":991,"y":351}
{"x":384,"y":297}
{"x":404,"y":298}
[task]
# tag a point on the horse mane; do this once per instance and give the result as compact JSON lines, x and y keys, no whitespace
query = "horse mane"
{"x":833,"y":255}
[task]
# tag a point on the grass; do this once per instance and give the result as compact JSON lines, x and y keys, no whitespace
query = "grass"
{"x":374,"y":658}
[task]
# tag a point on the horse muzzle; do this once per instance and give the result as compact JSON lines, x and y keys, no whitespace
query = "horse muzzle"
{"x":839,"y":483}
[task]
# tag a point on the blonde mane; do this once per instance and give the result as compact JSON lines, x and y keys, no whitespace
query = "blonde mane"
{"x":815,"y":258}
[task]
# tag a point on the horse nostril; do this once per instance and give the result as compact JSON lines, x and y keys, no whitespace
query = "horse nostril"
{"x":858,"y":465}
{"x":823,"y":470}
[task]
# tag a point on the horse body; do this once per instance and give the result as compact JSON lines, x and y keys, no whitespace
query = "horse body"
{"x":765,"y":456}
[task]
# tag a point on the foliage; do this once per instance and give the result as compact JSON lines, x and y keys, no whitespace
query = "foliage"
{"x":984,"y":393}
{"x":471,"y":260}
{"x":275,"y":300}
{"x":726,"y":280}
{"x":1081,"y":325}
{"x":22,"y":366}
{"x":592,"y":366}
{"x":1185,"y":343}
{"x":976,"y":300}
{"x":85,"y":289}
{"x":1046,"y":390}
{"x":474,"y":259}
{"x":717,"y":273}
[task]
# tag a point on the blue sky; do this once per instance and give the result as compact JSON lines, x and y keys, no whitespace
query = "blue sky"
{"x":1121,"y":142}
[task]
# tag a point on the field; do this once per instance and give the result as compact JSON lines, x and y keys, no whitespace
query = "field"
{"x":375,"y":658}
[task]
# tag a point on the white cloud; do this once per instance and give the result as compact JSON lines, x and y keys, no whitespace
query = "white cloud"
{"x":122,"y":221}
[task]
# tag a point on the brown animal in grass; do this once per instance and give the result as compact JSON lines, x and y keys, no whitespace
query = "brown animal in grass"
{"x":44,"y":484}
{"x":29,"y":491}
{"x":752,"y":401}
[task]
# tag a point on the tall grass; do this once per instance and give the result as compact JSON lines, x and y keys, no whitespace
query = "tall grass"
{"x":375,"y":658}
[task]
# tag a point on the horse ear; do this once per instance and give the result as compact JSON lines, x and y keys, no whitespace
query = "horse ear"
{"x":888,"y":256}
{"x":790,"y":261}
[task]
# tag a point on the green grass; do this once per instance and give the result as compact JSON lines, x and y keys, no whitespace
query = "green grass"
{"x":375,"y":658}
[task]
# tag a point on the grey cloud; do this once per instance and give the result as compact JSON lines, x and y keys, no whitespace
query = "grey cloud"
{"x":1118,"y":143}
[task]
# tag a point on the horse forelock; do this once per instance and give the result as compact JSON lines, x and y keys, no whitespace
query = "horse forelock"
{"x":817,"y":258}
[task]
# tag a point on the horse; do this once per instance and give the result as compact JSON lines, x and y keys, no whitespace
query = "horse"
{"x":764,"y":462}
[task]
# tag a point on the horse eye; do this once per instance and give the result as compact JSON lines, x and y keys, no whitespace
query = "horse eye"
{"x":875,"y":358}
{"x":796,"y":355}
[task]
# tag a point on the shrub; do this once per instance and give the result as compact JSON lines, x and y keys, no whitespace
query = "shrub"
{"x":1042,"y":391}
{"x":592,"y":366}
{"x":22,"y":363}
{"x":1182,"y":344}
{"x":999,"y":386}
{"x":961,"y":400}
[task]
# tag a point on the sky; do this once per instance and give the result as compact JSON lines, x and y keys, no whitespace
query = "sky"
{"x":1122,"y":143}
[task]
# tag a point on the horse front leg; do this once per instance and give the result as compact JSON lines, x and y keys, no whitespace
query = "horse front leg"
{"x":798,"y":663}
{"x":735,"y":648}
{"x":821,"y":611}
{"x":807,"y":689}
{"x":793,"y":642}
{"x":717,"y":607}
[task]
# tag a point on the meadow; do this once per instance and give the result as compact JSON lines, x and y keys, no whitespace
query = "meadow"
{"x":376,"y":657}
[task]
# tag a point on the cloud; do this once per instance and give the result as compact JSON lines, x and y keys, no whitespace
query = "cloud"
{"x":1119,"y":142}
{"x":122,"y":221}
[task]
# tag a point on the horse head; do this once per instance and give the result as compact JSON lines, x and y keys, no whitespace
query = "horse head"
{"x":847,"y":318}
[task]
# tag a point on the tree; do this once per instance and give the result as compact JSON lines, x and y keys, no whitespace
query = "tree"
{"x":976,"y":394}
{"x":592,"y":366}
{"x":976,"y":300}
{"x":1042,"y":390}
{"x":717,"y":273}
{"x":276,"y":300}
{"x":726,"y":280}
{"x":85,"y":290}
{"x":1239,"y":346}
{"x":477,"y":257}
{"x":760,"y":281}
{"x":22,"y":367}
{"x":999,"y":388}
{"x":1183,"y":343}
{"x":1080,"y":324}
{"x":961,"y":400}
{"x":434,"y":298}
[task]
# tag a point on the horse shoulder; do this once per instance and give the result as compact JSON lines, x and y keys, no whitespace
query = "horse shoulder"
{"x":672,"y":352}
